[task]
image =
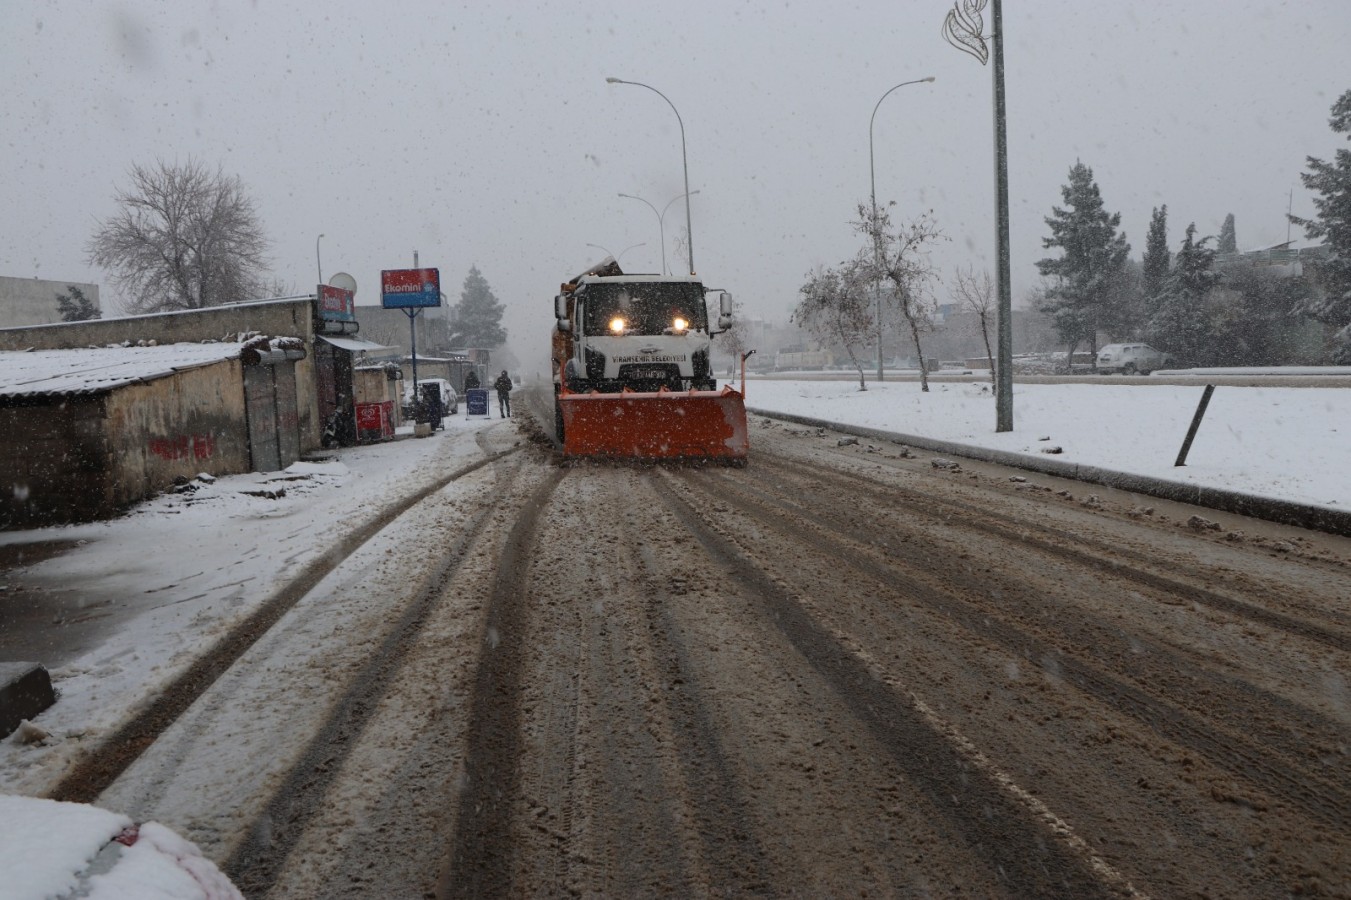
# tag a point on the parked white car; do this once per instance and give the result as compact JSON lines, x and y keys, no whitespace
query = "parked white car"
{"x":1131,"y":359}
{"x":450,"y":399}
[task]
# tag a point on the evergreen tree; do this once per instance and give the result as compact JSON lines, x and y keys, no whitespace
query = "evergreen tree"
{"x":1155,"y":260}
{"x":1332,"y":181}
{"x":1258,"y":320}
{"x":1228,"y":237}
{"x":74,"y":306}
{"x":477,"y":320}
{"x":1181,"y":324}
{"x":1085,"y":291}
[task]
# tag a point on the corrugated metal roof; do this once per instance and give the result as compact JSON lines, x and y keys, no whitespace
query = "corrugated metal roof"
{"x":38,"y":373}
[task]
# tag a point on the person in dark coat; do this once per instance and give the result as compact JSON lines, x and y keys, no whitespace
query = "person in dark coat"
{"x":471,"y":381}
{"x":503,"y":385}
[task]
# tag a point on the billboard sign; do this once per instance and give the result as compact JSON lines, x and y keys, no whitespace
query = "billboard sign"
{"x":336,"y":305}
{"x":410,"y":288}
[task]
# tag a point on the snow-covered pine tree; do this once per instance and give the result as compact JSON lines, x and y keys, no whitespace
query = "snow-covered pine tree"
{"x":1332,"y":181}
{"x":1181,"y":325}
{"x":1156,"y":258}
{"x":1085,"y":280}
{"x":477,"y":320}
{"x":74,"y":306}
{"x":1228,"y":242}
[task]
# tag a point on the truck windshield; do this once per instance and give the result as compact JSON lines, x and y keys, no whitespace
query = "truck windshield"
{"x":645,"y":308}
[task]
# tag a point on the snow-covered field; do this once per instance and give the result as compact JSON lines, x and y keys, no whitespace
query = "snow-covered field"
{"x":197,"y":562}
{"x":1281,"y":442}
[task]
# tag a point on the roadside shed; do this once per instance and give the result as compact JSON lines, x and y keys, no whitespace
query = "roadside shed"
{"x":84,"y":433}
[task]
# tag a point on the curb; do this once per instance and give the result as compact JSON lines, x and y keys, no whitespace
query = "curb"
{"x":1284,"y":512}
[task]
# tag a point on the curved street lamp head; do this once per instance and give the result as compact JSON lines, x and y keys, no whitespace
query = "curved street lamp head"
{"x":872,"y":194}
{"x":615,"y":256}
{"x":684,"y":161}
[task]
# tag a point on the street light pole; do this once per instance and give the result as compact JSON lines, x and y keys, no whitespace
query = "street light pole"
{"x":661,"y":222}
{"x":877,"y":243}
{"x":316,"y":259}
{"x":684,"y":161}
{"x":962,"y":29}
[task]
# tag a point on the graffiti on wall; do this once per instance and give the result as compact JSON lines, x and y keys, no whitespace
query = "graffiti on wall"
{"x":184,"y":446}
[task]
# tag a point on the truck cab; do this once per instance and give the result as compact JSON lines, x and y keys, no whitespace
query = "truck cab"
{"x":636,"y":332}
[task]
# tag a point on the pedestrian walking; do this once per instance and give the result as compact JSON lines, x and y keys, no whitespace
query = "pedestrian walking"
{"x":471,"y":381}
{"x":503,"y":385}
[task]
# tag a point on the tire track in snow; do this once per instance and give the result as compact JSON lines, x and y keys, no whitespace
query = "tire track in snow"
{"x":1058,"y":543}
{"x":1009,"y":833}
{"x":1280,"y":778}
{"x":102,"y":766}
{"x":480,"y":860}
{"x":257,"y":860}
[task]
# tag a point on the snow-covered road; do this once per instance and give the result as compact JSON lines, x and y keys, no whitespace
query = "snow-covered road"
{"x":611,"y":679}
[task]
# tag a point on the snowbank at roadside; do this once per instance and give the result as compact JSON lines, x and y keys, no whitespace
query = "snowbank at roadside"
{"x":1286,"y":443}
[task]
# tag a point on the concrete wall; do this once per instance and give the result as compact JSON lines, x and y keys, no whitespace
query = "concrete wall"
{"x":57,"y":461}
{"x":190,"y":422}
{"x":32,"y":301}
{"x":273,"y":317}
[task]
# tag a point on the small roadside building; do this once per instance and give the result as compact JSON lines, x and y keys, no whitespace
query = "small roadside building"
{"x":86,"y":432}
{"x":324,"y":377}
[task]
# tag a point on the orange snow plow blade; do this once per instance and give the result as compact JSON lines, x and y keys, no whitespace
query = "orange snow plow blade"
{"x":661,"y":425}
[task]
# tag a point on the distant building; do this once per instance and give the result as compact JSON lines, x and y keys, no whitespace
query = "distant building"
{"x":32,"y":301}
{"x":1281,"y":259}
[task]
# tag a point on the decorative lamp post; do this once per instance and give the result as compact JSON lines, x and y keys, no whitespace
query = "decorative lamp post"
{"x":661,"y":221}
{"x":621,"y":252}
{"x":962,"y":29}
{"x":684,"y":161}
{"x":877,"y":244}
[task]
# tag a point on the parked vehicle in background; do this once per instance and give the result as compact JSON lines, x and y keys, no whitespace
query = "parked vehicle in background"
{"x":450,"y":399}
{"x":1131,"y":359}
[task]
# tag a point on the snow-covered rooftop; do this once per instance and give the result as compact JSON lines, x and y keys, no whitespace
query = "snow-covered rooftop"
{"x":96,"y":370}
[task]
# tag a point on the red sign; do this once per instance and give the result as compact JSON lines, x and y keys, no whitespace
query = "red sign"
{"x":336,"y":305}
{"x":401,"y":288}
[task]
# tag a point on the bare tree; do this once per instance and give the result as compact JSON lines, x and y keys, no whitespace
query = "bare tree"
{"x":184,"y":237}
{"x":976,"y":294}
{"x":836,"y":308}
{"x":735,"y":340}
{"x":900,"y":255}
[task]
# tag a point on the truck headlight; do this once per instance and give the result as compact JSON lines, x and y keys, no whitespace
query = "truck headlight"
{"x":618,"y":325}
{"x":679,"y":325}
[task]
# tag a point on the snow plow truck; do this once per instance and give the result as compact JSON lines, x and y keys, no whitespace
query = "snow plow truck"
{"x":632,"y":373}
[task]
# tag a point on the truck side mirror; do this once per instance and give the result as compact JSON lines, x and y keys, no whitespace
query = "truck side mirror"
{"x":725,"y":311}
{"x":561,"y":312}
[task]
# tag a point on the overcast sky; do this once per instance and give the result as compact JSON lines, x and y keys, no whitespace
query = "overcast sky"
{"x":486,"y":134}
